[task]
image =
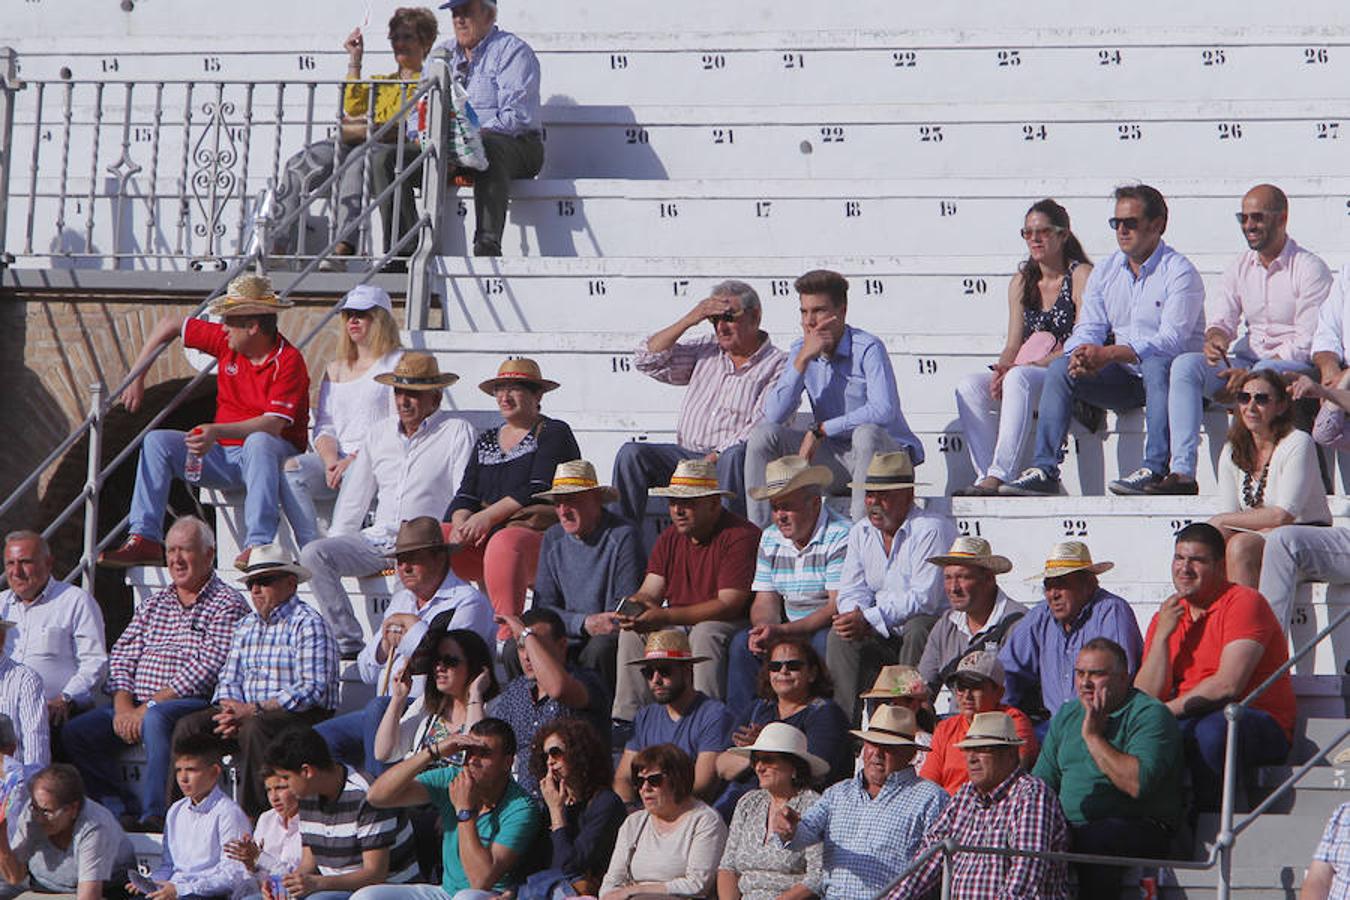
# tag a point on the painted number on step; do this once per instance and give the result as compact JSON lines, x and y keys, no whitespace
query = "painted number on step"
{"x":619,"y":364}
{"x":1075,"y":528}
{"x":968,"y":527}
{"x":951,"y":443}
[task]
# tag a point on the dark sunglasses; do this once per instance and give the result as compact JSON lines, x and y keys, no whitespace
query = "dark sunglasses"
{"x":648,"y":672}
{"x":1129,"y":224}
{"x":1255,"y":218}
{"x":792,"y":665}
{"x":655,"y":779}
{"x":266,"y":580}
{"x":555,"y":752}
{"x":724,"y":317}
{"x":448,"y":661}
{"x":757,"y":757}
{"x":1261,"y":398}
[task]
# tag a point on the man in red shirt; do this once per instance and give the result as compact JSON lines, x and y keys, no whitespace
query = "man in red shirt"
{"x":262,"y":413}
{"x":1210,"y":644}
{"x":698,"y":578}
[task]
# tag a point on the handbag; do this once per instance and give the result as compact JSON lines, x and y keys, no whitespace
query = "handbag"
{"x":1037,"y":346}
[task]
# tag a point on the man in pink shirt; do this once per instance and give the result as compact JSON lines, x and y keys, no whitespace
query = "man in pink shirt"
{"x":1278,"y":287}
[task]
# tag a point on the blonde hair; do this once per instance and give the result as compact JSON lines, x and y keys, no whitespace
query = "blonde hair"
{"x":383,"y":335}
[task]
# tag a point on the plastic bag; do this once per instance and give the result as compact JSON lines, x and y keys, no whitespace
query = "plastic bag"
{"x":466,"y":141}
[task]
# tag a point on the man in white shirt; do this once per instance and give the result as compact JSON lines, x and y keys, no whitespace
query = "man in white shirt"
{"x":429,"y":589}
{"x":413,"y":464}
{"x":58,"y":629}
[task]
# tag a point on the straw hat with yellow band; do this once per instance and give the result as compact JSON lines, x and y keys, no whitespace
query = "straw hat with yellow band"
{"x":693,"y":478}
{"x":973,"y":551}
{"x":575,"y":477}
{"x":249,"y":295}
{"x":518,"y":371}
{"x":1067,"y":557}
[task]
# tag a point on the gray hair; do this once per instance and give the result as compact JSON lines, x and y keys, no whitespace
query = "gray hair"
{"x":741,"y":291}
{"x":206,"y":538}
{"x":25,"y":535}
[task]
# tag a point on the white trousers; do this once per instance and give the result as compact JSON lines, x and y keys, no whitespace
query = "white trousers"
{"x":998,"y":433}
{"x":1295,"y":553}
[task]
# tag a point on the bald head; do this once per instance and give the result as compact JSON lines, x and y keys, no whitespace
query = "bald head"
{"x":1270,"y":197}
{"x":1264,"y":217}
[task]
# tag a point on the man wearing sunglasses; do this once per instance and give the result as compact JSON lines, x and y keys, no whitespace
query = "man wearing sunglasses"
{"x":1278,"y":287}
{"x":726,"y":375}
{"x":1142,"y":308}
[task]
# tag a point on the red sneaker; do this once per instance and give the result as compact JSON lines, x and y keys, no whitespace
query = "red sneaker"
{"x":137,"y":551}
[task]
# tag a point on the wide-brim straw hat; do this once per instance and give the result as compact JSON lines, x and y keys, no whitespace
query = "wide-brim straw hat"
{"x":780,"y":737}
{"x":990,"y":729}
{"x":1070,"y":556}
{"x":893,"y":471}
{"x":520,"y":370}
{"x":421,"y":533}
{"x":892,"y":726}
{"x":671,"y":645}
{"x":973,"y":551}
{"x":693,"y":478}
{"x":897,"y":681}
{"x":790,"y":473}
{"x":576,"y":477}
{"x":270,"y":558}
{"x":417,"y":372}
{"x":249,"y":295}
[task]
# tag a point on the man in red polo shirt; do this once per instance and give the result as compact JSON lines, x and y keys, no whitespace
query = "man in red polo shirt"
{"x":262,"y":413}
{"x":1210,"y":644}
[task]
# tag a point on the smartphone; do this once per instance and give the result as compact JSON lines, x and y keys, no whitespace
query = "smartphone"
{"x":141,"y":882}
{"x":630,"y":608}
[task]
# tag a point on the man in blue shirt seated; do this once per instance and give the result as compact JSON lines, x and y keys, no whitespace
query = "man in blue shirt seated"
{"x":1142,"y":308}
{"x":850,"y":384}
{"x":501,"y":75}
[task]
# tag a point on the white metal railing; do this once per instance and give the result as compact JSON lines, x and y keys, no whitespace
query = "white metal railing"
{"x":257,"y":224}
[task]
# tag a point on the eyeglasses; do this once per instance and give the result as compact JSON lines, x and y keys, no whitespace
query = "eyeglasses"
{"x":792,"y":665}
{"x":448,"y":661}
{"x":265,"y":580}
{"x":650,"y":672}
{"x":45,"y":813}
{"x":555,"y":752}
{"x":1029,"y":233}
{"x":724,"y":317}
{"x":1255,"y":218}
{"x":1130,"y":223}
{"x":655,"y":779}
{"x":1261,"y":398}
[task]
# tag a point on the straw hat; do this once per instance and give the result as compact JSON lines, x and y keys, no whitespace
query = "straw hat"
{"x":249,"y":295}
{"x":270,"y":558}
{"x":576,"y":477}
{"x":973,"y":551}
{"x":518,"y":371}
{"x":990,"y":729}
{"x":785,"y":475}
{"x":367,"y":296}
{"x":417,"y":372}
{"x":897,"y":681}
{"x":891,"y":726}
{"x":421,"y":533}
{"x":1070,"y":556}
{"x":692,"y":478}
{"x":671,"y":645}
{"x":979,"y":664}
{"x":893,"y":471}
{"x":780,"y":737}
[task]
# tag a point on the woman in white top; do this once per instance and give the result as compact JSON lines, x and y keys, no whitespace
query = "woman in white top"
{"x":1268,"y":475}
{"x":674,"y":843}
{"x":274,"y":847}
{"x":350,"y":402}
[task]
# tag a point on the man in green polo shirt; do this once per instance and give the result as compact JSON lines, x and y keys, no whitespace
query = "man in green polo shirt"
{"x":1115,"y":760}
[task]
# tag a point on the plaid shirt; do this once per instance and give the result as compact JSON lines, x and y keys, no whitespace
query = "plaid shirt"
{"x":169,"y":645}
{"x":1334,"y":850}
{"x":291,"y":658}
{"x":1021,"y":813}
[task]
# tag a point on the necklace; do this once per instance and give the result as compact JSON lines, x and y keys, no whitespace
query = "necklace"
{"x":1251,"y":499}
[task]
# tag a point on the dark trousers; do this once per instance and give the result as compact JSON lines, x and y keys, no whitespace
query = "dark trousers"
{"x":1115,"y":837}
{"x":383,"y":160}
{"x":508,"y":158}
{"x":248,"y":747}
{"x":1261,"y":742}
{"x":854,"y":665}
{"x":351,"y":737}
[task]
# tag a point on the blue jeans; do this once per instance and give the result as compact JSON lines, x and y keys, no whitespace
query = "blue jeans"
{"x":1261,"y":742}
{"x":351,"y":736}
{"x":743,"y":672}
{"x":94,"y":747}
{"x":403,"y":892}
{"x":1193,"y":381}
{"x":1114,"y":387}
{"x":254,"y":468}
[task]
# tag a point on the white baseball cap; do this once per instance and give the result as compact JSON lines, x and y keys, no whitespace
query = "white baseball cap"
{"x":367,"y":296}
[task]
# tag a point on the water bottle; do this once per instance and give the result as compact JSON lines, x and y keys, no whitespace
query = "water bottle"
{"x":192,"y":468}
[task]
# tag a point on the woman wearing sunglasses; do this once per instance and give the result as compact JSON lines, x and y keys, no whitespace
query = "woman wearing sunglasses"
{"x":672,"y":845}
{"x":574,"y":772}
{"x":1268,"y":475}
{"x":997,"y":407}
{"x":755,"y":866}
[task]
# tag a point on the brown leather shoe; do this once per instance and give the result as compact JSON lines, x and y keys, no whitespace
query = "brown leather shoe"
{"x":1173,"y":484}
{"x":137,"y":551}
{"x":241,"y":561}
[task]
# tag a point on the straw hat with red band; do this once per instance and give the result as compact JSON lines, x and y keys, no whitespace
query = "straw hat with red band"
{"x":692,"y":478}
{"x":973,"y":551}
{"x":249,"y":295}
{"x":670,"y":646}
{"x":520,"y":370}
{"x":1070,"y":556}
{"x":575,"y":477}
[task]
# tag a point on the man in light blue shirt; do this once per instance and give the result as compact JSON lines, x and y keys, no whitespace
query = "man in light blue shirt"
{"x":889,"y":596}
{"x":1142,"y":308}
{"x":501,"y":75}
{"x":850,"y":384}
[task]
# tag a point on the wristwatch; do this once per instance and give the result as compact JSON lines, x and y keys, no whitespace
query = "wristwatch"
{"x":151,"y":703}
{"x":466,"y":815}
{"x":818,"y":430}
{"x":524,"y":633}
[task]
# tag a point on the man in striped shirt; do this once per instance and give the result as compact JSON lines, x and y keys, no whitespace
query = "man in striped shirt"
{"x":797,"y":571}
{"x":348,"y":843}
{"x":727,"y":376}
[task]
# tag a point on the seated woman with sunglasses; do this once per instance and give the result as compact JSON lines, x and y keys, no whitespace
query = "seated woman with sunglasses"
{"x":795,"y":688}
{"x":755,"y":865}
{"x":1268,"y":475}
{"x":672,"y":845}
{"x":997,"y":407}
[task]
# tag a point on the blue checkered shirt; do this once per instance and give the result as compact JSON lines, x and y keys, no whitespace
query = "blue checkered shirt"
{"x":869,"y":841}
{"x":1334,"y":850}
{"x":290,"y":658}
{"x":803,"y":577}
